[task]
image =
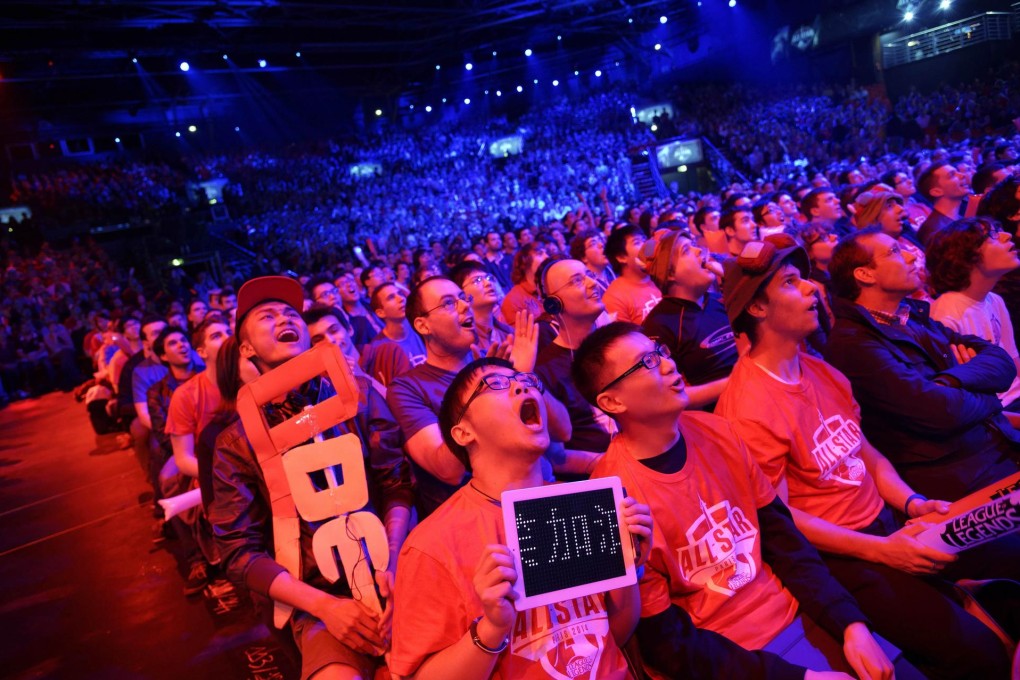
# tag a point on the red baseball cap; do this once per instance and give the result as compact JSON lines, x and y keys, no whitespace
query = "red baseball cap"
{"x":268,"y":289}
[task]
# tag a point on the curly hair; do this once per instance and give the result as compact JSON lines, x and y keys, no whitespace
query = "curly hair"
{"x":954,"y":251}
{"x":1000,"y":203}
{"x":522,"y":262}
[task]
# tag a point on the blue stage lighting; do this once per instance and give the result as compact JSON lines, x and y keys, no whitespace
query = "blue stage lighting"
{"x":225,"y":57}
{"x":262,"y":63}
{"x":527,"y":52}
{"x":378,"y":112}
{"x":134,"y":60}
{"x":177,"y":134}
{"x":945,"y":4}
{"x":297,"y":54}
{"x":598,"y":74}
{"x":116,"y":140}
{"x":556,"y":83}
{"x":428,"y":109}
{"x":733,"y":3}
{"x":237,"y":129}
{"x":468,"y":66}
{"x":466,"y":101}
{"x":520,"y":89}
{"x":438,"y":67}
{"x":663,"y":19}
{"x":908,"y":16}
{"x":658,"y":47}
{"x":185,"y":66}
{"x":499,"y":93}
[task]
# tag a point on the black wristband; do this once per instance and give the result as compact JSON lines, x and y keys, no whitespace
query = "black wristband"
{"x":481,"y":645}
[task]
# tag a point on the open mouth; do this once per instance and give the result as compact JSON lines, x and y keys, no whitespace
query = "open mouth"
{"x":678,"y":384}
{"x":530,"y":414}
{"x":468,"y":323}
{"x":288,"y":335}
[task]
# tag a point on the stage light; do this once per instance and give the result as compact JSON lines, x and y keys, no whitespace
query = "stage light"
{"x":598,"y":73}
{"x":185,"y":66}
{"x":630,"y":21}
{"x":134,"y":60}
{"x":499,"y":93}
{"x":682,"y":168}
{"x":535,"y":81}
{"x":237,"y":129}
{"x":378,"y":112}
{"x":733,"y":3}
{"x":908,"y":16}
{"x":654,"y":127}
{"x":177,"y":262}
{"x":177,"y":134}
{"x":466,"y":101}
{"x":556,"y":83}
{"x":663,"y":19}
{"x":559,"y":37}
{"x":699,"y":3}
{"x":444,"y":100}
{"x":438,"y":67}
{"x":468,"y":66}
{"x":412,"y":107}
{"x":527,"y":52}
{"x":262,"y":63}
{"x":520,"y":89}
{"x":658,"y":47}
{"x":116,"y":140}
{"x":577,"y":73}
{"x":192,"y":128}
{"x":428,"y":109}
{"x":494,"y":53}
{"x":225,"y":57}
{"x":945,"y":4}
{"x":297,"y":54}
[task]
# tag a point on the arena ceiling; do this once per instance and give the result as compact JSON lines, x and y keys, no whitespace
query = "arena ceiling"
{"x":369,"y":47}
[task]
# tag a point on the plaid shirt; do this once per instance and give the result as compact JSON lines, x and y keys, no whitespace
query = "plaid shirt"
{"x":898,"y":318}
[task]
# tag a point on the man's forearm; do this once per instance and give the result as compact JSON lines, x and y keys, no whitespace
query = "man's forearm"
{"x":560,"y":427}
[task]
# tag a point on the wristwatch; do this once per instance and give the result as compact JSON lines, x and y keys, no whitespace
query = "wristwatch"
{"x":481,"y":645}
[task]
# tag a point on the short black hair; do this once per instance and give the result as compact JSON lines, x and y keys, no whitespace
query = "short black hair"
{"x":317,"y":313}
{"x":150,"y":319}
{"x":462,"y":272}
{"x":375,"y":299}
{"x":158,"y":347}
{"x":616,"y":245}
{"x":592,"y":356}
{"x":847,"y":256}
{"x":314,"y":283}
{"x":451,"y":408}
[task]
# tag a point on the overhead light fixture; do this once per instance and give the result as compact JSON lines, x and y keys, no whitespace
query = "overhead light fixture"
{"x":185,"y":66}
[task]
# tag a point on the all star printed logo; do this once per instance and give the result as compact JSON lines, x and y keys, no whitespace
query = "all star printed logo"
{"x":566,"y":638}
{"x":836,"y":451}
{"x":719,"y":555}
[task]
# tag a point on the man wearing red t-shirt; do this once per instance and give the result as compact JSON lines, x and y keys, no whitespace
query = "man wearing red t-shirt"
{"x":632,"y":294}
{"x":456,"y":617}
{"x":810,"y":445}
{"x":725,"y":552}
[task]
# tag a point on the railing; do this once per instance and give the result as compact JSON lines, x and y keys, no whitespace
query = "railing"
{"x":724,"y":171}
{"x":949,"y":37}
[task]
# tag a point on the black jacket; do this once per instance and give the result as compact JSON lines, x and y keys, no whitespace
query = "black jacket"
{"x":938,"y":421}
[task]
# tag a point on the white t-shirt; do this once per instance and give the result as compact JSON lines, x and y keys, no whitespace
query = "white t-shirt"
{"x":987,"y":319}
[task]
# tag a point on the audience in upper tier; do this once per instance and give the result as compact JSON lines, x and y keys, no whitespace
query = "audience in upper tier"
{"x":803,"y":360}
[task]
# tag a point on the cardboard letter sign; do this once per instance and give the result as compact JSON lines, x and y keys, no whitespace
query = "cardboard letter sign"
{"x":567,"y":540}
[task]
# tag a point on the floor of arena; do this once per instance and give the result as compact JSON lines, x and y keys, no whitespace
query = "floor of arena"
{"x":85,"y":592}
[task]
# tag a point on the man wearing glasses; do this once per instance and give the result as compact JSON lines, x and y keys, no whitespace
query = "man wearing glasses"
{"x":457,"y":617}
{"x":572,"y":296}
{"x":440,"y":312}
{"x":726,"y":554}
{"x":321,"y":291}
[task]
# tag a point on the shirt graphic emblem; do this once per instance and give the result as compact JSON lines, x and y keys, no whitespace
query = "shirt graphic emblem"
{"x":719,"y":554}
{"x":836,"y":451}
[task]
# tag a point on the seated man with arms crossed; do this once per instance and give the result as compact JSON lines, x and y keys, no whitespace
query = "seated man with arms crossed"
{"x":808,"y":442}
{"x":726,"y":553}
{"x":456,"y":617}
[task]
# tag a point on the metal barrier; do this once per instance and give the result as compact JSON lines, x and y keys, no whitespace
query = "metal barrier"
{"x":950,"y":37}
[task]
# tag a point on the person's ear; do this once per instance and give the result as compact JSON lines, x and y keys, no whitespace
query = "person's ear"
{"x":378,"y":312}
{"x":462,"y":433}
{"x":246,"y":350}
{"x":757,"y":309}
{"x":610,"y":404}
{"x":200,"y":351}
{"x":864,"y":276}
{"x":421,"y":325}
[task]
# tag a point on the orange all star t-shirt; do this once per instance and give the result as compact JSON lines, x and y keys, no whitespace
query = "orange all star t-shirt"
{"x":706,"y":553}
{"x":809,"y":433}
{"x":435,"y":603}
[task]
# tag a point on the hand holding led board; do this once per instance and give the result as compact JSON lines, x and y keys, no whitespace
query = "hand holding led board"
{"x":567,"y":541}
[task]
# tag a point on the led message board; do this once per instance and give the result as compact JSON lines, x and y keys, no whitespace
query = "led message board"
{"x":567,"y":540}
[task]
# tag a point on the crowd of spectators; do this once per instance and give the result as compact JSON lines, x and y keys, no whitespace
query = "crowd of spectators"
{"x":454,"y":274}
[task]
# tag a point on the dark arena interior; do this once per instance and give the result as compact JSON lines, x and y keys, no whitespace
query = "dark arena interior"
{"x":294,"y":291}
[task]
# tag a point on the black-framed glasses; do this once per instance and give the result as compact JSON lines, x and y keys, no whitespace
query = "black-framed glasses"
{"x":450,"y":303}
{"x":499,"y":382}
{"x":649,"y":360}
{"x":577,"y":281}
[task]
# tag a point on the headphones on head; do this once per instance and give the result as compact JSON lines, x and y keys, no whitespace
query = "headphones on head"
{"x":552,"y":304}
